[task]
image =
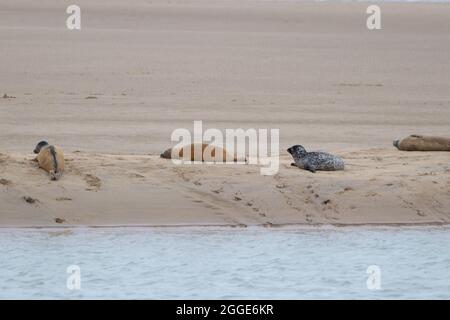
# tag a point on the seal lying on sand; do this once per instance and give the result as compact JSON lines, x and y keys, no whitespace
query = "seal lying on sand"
{"x":313,"y":161}
{"x":423,"y":143}
{"x":50,"y":158}
{"x":208,"y":153}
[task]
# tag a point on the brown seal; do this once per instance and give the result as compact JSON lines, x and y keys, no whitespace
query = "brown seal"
{"x":208,"y":153}
{"x":50,"y":158}
{"x":423,"y":143}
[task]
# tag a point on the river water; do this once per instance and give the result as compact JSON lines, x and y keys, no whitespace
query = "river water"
{"x":226,"y":263}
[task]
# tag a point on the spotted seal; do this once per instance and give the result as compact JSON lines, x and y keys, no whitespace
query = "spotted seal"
{"x":417,"y":142}
{"x":50,"y":158}
{"x":313,"y":161}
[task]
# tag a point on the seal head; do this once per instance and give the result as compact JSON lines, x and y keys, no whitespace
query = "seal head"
{"x":297,"y":151}
{"x":396,"y":143}
{"x":39,"y":146}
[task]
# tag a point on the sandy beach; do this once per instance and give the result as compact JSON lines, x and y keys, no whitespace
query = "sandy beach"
{"x":111,"y":94}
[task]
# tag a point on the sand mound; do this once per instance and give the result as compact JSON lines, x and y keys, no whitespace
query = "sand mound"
{"x":379,"y":186}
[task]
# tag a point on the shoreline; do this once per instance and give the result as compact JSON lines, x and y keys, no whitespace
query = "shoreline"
{"x":293,"y":226}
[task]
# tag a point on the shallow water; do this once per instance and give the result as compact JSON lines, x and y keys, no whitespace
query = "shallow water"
{"x":226,"y":263}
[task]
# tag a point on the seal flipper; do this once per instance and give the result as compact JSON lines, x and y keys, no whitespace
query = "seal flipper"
{"x":54,"y":174}
{"x":293,"y":164}
{"x":309,"y":167}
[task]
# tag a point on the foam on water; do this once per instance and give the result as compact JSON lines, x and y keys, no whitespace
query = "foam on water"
{"x":226,"y":263}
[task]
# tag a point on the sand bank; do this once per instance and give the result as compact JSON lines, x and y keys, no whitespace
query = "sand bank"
{"x":379,"y":186}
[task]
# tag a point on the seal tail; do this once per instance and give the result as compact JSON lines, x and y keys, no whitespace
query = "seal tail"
{"x":54,"y":174}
